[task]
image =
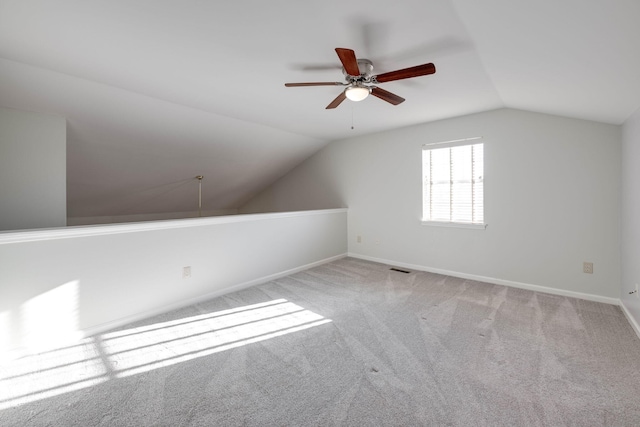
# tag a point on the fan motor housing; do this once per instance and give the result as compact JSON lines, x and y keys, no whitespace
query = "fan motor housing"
{"x":365,"y":66}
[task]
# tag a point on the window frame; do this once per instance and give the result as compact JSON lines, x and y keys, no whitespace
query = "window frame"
{"x":449,"y":144}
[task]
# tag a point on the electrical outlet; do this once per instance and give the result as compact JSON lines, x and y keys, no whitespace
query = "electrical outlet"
{"x":359,"y":239}
{"x":587,"y":267}
{"x":186,"y":272}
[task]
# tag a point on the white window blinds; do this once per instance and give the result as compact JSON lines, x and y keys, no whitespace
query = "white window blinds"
{"x":453,"y":183}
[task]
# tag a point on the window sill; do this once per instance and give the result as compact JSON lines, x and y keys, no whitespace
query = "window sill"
{"x":454,"y":224}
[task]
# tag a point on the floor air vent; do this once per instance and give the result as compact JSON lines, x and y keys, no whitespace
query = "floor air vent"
{"x":399,"y":270}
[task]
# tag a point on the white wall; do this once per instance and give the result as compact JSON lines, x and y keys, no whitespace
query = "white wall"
{"x":105,"y":276}
{"x":33,"y":175}
{"x":551,"y":201}
{"x":631,"y":217}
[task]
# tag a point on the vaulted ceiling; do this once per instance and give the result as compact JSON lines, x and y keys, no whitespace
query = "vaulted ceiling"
{"x":156,"y":92}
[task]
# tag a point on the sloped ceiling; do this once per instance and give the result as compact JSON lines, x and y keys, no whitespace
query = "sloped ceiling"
{"x":156,"y":92}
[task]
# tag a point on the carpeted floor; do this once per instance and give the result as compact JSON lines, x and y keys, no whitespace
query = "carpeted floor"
{"x":348,"y":343}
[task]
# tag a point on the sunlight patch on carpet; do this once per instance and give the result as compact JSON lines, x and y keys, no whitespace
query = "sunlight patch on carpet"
{"x":144,"y":349}
{"x":128,"y":352}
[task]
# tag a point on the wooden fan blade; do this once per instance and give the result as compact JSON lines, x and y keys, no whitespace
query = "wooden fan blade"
{"x":337,"y":101}
{"x":406,"y":73}
{"x":386,"y":96}
{"x":314,"y":84}
{"x":349,"y":61}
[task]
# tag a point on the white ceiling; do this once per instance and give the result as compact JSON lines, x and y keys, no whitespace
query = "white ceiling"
{"x":156,"y":92}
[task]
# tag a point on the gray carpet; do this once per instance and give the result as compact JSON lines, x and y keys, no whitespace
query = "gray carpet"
{"x":347,"y":343}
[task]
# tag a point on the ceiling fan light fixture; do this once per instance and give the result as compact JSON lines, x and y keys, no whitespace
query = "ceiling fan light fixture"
{"x":360,"y":80}
{"x":357,"y":93}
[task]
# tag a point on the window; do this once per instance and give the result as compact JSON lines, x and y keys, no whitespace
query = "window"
{"x":453,"y":183}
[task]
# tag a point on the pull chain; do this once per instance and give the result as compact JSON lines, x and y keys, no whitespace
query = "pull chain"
{"x":351,"y":117}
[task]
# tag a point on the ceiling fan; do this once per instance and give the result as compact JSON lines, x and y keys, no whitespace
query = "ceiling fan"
{"x":360,"y":81}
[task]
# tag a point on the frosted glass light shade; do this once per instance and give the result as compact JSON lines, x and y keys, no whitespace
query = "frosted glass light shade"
{"x":357,"y":93}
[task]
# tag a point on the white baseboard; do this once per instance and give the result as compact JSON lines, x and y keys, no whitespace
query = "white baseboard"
{"x":104,"y":327}
{"x":632,"y":320}
{"x":510,"y":283}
